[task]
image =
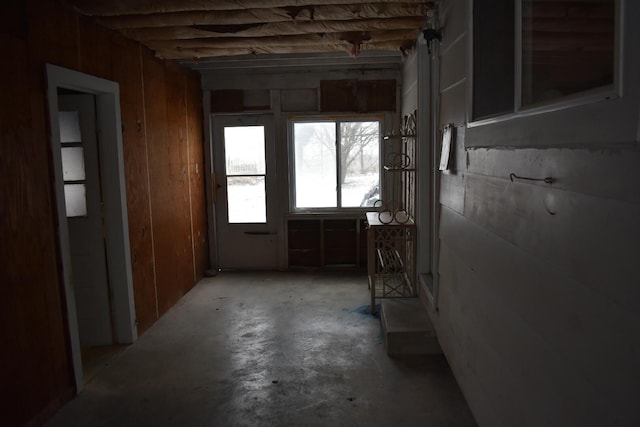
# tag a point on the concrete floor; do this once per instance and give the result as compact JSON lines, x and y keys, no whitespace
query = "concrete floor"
{"x":269,"y":349}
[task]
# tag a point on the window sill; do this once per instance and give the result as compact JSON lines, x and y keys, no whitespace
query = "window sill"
{"x":600,"y":120}
{"x":591,"y":97}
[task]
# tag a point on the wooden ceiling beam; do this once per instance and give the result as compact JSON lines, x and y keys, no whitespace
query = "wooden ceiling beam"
{"x":269,"y":50}
{"x":251,"y":16}
{"x":276,"y":28}
{"x":137,"y":7}
{"x":278,"y":41}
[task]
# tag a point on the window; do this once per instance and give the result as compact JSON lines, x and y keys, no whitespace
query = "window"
{"x":245,"y":170}
{"x":73,"y":167}
{"x":336,"y":163}
{"x":531,"y":53}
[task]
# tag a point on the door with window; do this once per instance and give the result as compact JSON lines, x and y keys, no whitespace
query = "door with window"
{"x":83,"y":202}
{"x":245,"y":194}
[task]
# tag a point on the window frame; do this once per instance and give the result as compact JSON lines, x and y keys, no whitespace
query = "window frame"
{"x":588,"y":98}
{"x":262,"y":175}
{"x":382,"y":119}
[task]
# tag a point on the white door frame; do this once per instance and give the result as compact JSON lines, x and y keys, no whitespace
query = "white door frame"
{"x":115,"y":207}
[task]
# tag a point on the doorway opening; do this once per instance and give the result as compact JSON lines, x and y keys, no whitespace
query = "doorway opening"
{"x":84,"y":113}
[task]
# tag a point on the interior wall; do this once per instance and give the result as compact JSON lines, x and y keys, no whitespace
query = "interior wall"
{"x":539,"y":300}
{"x":162,"y":137}
{"x":282,"y":94}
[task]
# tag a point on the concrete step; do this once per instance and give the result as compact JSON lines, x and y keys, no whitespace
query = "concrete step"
{"x":407,"y":328}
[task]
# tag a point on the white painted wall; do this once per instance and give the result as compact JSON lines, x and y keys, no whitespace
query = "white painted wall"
{"x":539,"y":314}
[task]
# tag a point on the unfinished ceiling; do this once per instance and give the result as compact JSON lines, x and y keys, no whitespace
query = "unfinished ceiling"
{"x":196,"y":29}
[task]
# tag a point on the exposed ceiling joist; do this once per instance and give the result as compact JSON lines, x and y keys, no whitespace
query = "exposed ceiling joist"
{"x":132,"y":7}
{"x":268,"y":49}
{"x":199,"y":28}
{"x":252,"y":16}
{"x":276,"y":28}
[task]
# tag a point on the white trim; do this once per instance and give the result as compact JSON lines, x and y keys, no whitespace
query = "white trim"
{"x":209,"y":181}
{"x":583,"y":98}
{"x":470,"y":80}
{"x":384,"y":122}
{"x":424,"y":202}
{"x":115,"y":206}
{"x":435,"y":175}
{"x":591,"y":96}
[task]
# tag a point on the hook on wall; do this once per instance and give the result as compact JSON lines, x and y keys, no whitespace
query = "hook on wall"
{"x":548,"y":179}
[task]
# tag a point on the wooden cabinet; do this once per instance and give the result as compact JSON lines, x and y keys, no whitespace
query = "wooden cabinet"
{"x":326,"y":242}
{"x":304,"y":243}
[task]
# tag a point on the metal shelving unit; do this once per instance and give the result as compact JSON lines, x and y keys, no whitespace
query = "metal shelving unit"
{"x":391,"y":235}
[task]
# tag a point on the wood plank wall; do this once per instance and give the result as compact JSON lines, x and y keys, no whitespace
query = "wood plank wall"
{"x":163,"y":153}
{"x":539,"y":298}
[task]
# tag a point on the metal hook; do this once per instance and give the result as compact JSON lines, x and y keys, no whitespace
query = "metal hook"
{"x":548,"y":179}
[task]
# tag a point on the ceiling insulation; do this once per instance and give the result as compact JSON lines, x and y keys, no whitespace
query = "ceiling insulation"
{"x":196,"y":29}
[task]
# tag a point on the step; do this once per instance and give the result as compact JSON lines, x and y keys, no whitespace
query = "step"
{"x":407,"y":328}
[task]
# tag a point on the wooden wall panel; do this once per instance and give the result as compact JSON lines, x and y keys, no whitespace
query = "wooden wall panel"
{"x":363,"y":96}
{"x":34,"y":367}
{"x":36,"y":376}
{"x":166,"y":139}
{"x":128,"y":72}
{"x":339,"y":95}
{"x":376,"y":95}
{"x":178,"y":149}
{"x":53,"y":34}
{"x":94,"y":44}
{"x":196,"y":175}
{"x":160,"y":175}
{"x":13,"y":19}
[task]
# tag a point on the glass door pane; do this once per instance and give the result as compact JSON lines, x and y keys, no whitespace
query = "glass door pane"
{"x":245,"y":169}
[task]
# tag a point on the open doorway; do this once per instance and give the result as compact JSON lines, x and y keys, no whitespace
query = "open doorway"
{"x":88,"y":164}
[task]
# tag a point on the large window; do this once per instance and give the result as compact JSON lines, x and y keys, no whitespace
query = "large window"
{"x":530,"y":53}
{"x":336,"y":163}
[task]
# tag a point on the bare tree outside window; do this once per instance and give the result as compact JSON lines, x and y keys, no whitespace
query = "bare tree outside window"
{"x":336,"y":163}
